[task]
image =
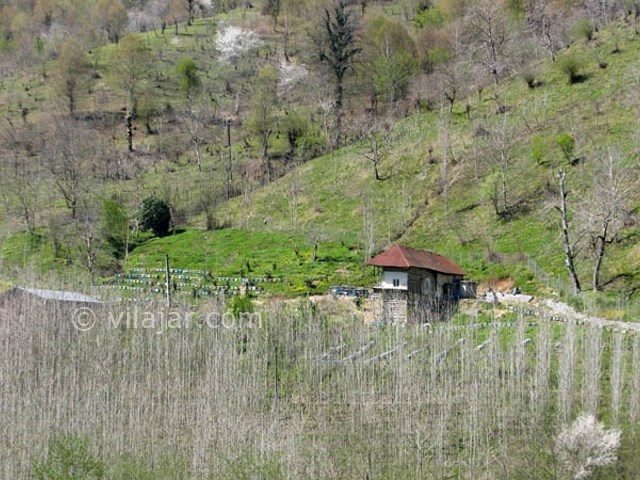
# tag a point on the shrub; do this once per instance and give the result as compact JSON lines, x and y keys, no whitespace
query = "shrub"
{"x":529,"y":76}
{"x":155,"y":215}
{"x":115,"y":226}
{"x":538,"y":149}
{"x":567,"y":145}
{"x":240,"y":304}
{"x":583,"y":29}
{"x":572,"y":68}
{"x":68,"y":458}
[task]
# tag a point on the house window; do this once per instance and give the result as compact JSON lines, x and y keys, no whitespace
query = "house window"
{"x":396,"y":282}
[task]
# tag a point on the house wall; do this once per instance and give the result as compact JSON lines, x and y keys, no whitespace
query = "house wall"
{"x":395,"y":306}
{"x":421,"y":295}
{"x":388,"y":277}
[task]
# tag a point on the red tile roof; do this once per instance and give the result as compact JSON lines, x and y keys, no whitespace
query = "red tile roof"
{"x":400,"y":256}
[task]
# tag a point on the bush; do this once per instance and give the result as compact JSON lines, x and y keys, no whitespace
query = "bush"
{"x":567,"y":145}
{"x":572,"y":68}
{"x":68,"y":458}
{"x":155,"y":215}
{"x":529,"y":76}
{"x":115,"y":226}
{"x":583,"y":29}
{"x":240,"y":304}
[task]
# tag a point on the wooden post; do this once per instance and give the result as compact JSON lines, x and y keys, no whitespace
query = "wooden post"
{"x":230,"y":170}
{"x":277,"y":386}
{"x":167,"y":273}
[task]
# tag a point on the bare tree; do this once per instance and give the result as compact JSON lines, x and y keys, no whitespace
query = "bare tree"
{"x":20,"y":187}
{"x":378,"y":140}
{"x":499,"y":149}
{"x":602,"y":11}
{"x":548,"y":24}
{"x":453,"y":73}
{"x":71,"y":73}
{"x":606,"y":206}
{"x":71,"y":153}
{"x":490,"y":36}
{"x":261,"y":118}
{"x":592,"y":370}
{"x":569,"y":247}
{"x":21,"y":177}
{"x":129,"y":66}
{"x":89,"y":248}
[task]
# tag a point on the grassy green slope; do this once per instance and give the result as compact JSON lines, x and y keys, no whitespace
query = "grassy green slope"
{"x":336,"y":202}
{"x":335,"y":190}
{"x":233,"y":252}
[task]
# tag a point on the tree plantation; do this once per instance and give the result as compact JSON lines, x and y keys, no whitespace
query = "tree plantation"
{"x":306,"y":393}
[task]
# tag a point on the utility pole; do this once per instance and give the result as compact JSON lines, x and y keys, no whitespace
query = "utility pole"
{"x":229,"y":168}
{"x":167,"y":274}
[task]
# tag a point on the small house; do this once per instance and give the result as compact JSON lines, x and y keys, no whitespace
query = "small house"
{"x":418,"y":285}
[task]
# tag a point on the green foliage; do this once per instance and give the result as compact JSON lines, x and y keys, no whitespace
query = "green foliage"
{"x":263,"y":100}
{"x":583,"y":29}
{"x":240,"y":304}
{"x":248,"y":466}
{"x":295,"y":127}
{"x":430,"y":18}
{"x":391,"y":55}
{"x":188,"y":73}
{"x":69,"y":458}
{"x":170,"y":466}
{"x":572,"y":67}
{"x":263,"y":103}
{"x":567,"y":145}
{"x":129,"y":66}
{"x":112,"y":18}
{"x":71,"y":72}
{"x":155,"y":215}
{"x":438,"y":55}
{"x":538,"y":149}
{"x":273,"y":254}
{"x":115,"y":225}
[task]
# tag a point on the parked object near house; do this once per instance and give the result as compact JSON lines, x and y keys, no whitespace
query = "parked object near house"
{"x":352,"y":292}
{"x":417,"y":285}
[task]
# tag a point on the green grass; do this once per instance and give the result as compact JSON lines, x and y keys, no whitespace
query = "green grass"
{"x":409,"y":205}
{"x":335,"y":199}
{"x":234,"y":252}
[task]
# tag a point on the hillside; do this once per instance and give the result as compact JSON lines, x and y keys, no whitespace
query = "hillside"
{"x":231,"y":117}
{"x":446,"y":205}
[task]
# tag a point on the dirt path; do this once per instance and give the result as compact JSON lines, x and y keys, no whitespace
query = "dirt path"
{"x":561,"y":312}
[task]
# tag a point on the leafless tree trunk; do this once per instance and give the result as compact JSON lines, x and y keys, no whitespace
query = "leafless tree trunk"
{"x":591,"y":373}
{"x":487,"y":24}
{"x":605,"y":207}
{"x":569,"y":254}
{"x":566,"y":373}
{"x":617,"y":376}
